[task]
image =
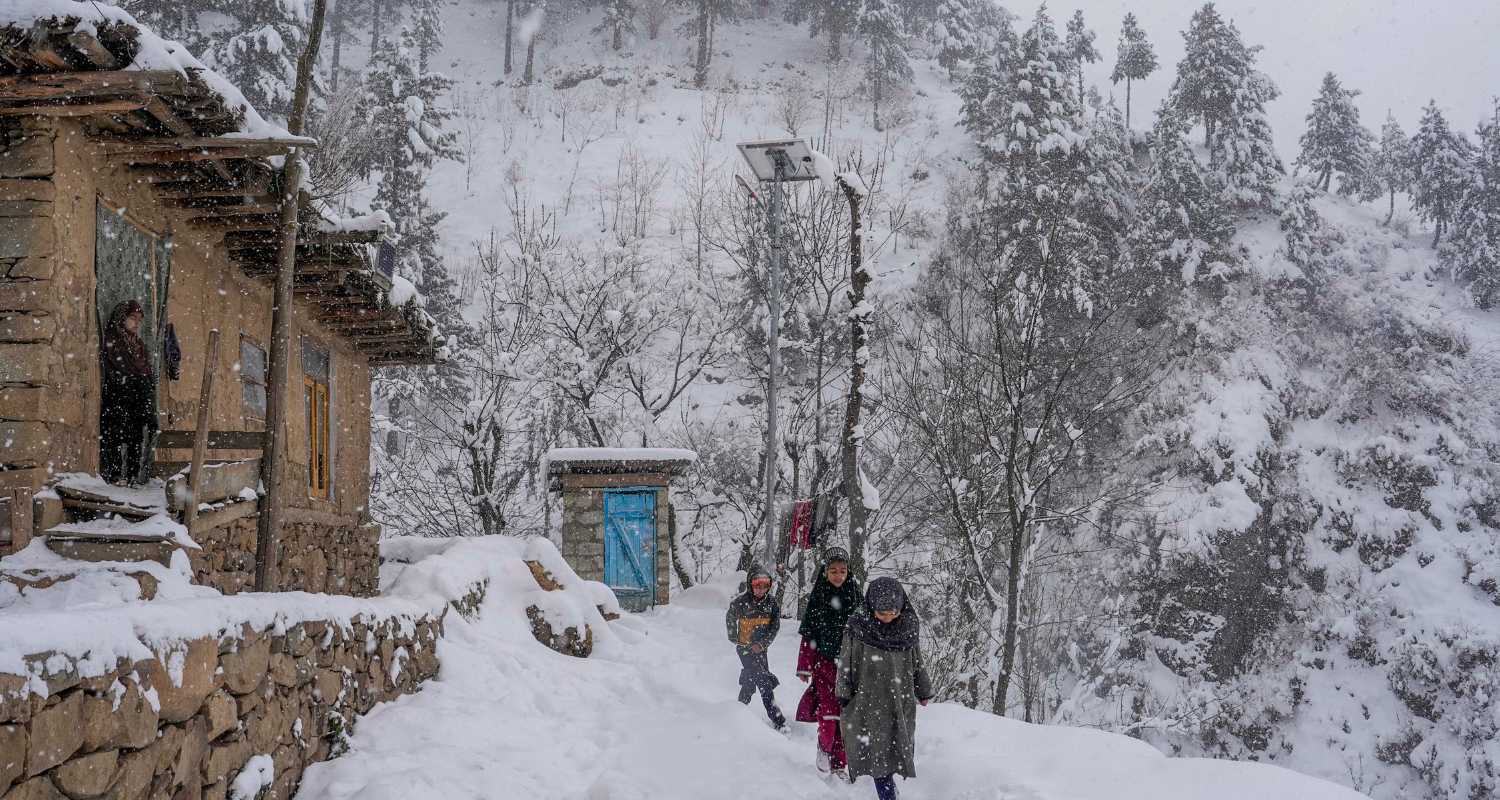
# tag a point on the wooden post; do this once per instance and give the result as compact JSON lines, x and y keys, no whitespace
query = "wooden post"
{"x":200,"y":434}
{"x":278,"y":379}
{"x":19,"y":519}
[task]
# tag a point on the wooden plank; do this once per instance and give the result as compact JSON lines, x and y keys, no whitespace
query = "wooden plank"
{"x":73,"y":110}
{"x":232,"y":202}
{"x":189,"y":140}
{"x":198,"y":190}
{"x":20,"y":521}
{"x":217,"y":440}
{"x":161,"y":112}
{"x":220,"y":517}
{"x":222,"y":481}
{"x":200,"y":443}
{"x":118,"y":509}
{"x":199,"y":154}
{"x":54,"y":85}
{"x":43,"y":50}
{"x":92,"y":50}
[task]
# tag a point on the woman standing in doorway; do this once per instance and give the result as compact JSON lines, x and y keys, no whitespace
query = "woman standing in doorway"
{"x":834,"y":598}
{"x":881,"y":681}
{"x":125,"y":408}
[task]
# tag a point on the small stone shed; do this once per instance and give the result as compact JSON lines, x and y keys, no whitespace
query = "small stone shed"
{"x":128,"y":170}
{"x":616,"y":517}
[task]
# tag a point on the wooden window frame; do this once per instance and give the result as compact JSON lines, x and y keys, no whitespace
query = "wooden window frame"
{"x":316,"y":394}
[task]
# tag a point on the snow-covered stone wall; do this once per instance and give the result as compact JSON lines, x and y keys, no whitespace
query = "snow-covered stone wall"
{"x":277,"y":686}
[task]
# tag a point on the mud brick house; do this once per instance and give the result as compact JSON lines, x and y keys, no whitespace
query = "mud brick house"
{"x":130,"y":171}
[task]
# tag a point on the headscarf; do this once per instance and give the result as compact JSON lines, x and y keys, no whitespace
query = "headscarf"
{"x":885,"y":594}
{"x":829,"y":608}
{"x":124,"y":352}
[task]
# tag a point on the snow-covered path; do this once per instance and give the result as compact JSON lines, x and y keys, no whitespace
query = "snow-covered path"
{"x":653,"y":716}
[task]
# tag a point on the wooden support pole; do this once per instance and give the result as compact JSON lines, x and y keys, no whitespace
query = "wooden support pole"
{"x":200,"y":440}
{"x":278,"y":379}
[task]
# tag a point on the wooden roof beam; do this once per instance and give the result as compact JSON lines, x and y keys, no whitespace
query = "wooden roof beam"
{"x":90,"y":48}
{"x":198,"y":154}
{"x":92,"y":83}
{"x":83,"y":109}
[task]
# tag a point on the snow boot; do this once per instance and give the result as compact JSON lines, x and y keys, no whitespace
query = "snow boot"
{"x":824,"y":762}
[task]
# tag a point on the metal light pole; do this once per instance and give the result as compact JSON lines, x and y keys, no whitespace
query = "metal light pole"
{"x":774,"y":301}
{"x":775,"y":162}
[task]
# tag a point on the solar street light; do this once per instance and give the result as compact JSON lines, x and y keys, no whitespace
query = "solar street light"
{"x":775,"y":161}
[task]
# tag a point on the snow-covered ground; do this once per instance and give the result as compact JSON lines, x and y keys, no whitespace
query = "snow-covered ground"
{"x":652,"y":715}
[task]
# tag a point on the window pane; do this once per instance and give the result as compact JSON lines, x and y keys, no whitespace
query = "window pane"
{"x":254,"y":398}
{"x":252,"y":362}
{"x":314,"y":361}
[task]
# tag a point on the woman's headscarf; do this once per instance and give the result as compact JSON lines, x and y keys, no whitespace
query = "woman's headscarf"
{"x":886,"y":594}
{"x":829,"y":608}
{"x":124,"y":352}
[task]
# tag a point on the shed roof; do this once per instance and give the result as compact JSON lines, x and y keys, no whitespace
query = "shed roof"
{"x":192,"y":136}
{"x":616,"y":460}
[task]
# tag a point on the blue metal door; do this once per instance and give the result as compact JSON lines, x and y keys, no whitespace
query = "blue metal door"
{"x":630,"y":546}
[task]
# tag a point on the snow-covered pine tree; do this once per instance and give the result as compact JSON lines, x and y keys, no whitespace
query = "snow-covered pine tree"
{"x":830,"y":18}
{"x":984,"y":90}
{"x":1473,"y":251}
{"x":619,"y":19}
{"x":1184,"y":229}
{"x":1335,"y":141}
{"x":1218,"y":85}
{"x":253,"y":43}
{"x":258,"y":51}
{"x":707,"y":14}
{"x":427,"y":29}
{"x":1080,"y":48}
{"x":1213,"y":67}
{"x":956,"y":34}
{"x":1439,"y":170}
{"x":1390,"y":168}
{"x":1134,"y":60}
{"x":405,"y":109}
{"x":1244,"y":151}
{"x":886,"y":61}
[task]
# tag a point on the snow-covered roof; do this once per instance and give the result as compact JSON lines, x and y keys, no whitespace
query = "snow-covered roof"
{"x":142,"y":96}
{"x":151,"y":53}
{"x":620,"y":459}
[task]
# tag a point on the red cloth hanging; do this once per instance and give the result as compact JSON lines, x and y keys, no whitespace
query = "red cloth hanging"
{"x":800,"y":533}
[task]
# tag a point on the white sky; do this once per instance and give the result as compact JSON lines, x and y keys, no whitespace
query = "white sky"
{"x":1399,"y":53}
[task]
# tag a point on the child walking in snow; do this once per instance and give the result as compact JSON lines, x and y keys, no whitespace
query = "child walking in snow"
{"x":752,"y":622}
{"x":881,"y":681}
{"x":835,"y":597}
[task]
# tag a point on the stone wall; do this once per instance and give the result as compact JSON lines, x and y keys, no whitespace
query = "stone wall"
{"x":183,"y":723}
{"x":314,"y":556}
{"x":31,"y":414}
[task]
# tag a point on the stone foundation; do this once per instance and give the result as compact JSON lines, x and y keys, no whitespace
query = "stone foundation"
{"x":313,"y":557}
{"x":290,"y":692}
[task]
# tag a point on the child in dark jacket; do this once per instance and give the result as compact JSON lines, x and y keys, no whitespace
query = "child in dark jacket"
{"x":752,"y":622}
{"x":835,"y":597}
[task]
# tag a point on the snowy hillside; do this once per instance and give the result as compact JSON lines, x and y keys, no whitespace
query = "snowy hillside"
{"x":652,"y":715}
{"x":1281,"y":549}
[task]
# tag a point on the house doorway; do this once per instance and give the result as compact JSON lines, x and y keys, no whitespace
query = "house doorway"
{"x":133,"y":264}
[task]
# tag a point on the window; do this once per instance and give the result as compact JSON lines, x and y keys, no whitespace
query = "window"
{"x":253,"y":378}
{"x":315,"y":373}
